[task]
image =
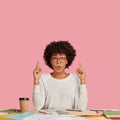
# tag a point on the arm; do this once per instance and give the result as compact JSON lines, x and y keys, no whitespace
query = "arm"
{"x":38,"y":89}
{"x":82,"y":97}
{"x":39,"y":95}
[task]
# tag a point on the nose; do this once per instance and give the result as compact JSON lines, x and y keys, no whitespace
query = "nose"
{"x":58,"y":60}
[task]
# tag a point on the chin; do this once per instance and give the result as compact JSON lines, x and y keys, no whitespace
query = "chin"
{"x":58,"y":71}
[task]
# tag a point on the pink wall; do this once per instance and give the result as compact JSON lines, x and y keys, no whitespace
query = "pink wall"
{"x":93,"y":27}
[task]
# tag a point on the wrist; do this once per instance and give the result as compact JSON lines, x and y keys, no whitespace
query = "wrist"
{"x":83,"y":81}
{"x":36,"y":82}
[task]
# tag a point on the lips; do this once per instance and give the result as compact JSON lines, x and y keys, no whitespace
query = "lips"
{"x":58,"y":67}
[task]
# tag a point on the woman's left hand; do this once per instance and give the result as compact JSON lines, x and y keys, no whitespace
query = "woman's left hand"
{"x":81,"y":74}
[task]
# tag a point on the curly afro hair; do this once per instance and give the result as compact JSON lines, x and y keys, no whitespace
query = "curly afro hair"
{"x":56,"y":47}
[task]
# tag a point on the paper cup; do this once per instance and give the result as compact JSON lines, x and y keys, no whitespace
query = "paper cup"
{"x":24,"y":104}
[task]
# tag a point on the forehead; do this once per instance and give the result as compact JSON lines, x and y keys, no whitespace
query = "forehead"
{"x":59,"y":54}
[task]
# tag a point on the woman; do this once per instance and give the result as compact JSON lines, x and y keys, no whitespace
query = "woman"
{"x":59,"y":89}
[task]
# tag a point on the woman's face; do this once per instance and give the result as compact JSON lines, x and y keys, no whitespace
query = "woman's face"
{"x":59,"y":62}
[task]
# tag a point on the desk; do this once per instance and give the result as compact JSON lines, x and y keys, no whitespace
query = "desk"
{"x":18,"y":115}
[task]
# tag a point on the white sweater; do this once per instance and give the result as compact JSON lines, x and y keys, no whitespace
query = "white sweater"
{"x":53,"y":93}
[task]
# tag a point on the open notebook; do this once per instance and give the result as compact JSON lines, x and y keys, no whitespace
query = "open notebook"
{"x":70,"y":112}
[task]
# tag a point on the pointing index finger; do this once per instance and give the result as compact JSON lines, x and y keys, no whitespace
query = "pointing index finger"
{"x":80,"y":64}
{"x":37,"y":65}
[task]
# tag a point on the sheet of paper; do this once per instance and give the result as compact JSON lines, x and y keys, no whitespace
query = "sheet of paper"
{"x":42,"y":116}
{"x":70,"y":118}
{"x":53,"y":116}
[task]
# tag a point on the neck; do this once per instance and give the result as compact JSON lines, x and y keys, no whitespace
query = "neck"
{"x":59,"y":75}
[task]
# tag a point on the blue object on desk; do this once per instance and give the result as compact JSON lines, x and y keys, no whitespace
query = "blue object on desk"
{"x":19,"y":116}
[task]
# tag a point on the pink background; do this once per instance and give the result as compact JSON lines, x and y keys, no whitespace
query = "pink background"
{"x":93,"y":27}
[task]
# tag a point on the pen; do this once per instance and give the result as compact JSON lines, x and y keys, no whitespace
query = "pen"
{"x":73,"y":110}
{"x":43,"y":112}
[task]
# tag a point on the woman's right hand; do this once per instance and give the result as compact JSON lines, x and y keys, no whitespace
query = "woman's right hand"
{"x":36,"y":74}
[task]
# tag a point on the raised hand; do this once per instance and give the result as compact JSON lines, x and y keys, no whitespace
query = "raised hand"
{"x":36,"y":74}
{"x":81,"y":73}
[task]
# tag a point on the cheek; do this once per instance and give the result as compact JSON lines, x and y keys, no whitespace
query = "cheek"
{"x":53,"y":64}
{"x":64,"y":65}
{"x":66,"y":62}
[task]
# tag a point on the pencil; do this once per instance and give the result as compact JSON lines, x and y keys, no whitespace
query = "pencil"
{"x":42,"y":111}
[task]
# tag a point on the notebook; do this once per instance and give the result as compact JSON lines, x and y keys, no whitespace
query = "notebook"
{"x":112,"y":113}
{"x":9,"y":112}
{"x":83,"y":113}
{"x":1,"y":118}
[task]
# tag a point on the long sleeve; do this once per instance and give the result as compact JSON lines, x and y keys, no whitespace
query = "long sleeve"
{"x":39,"y":95}
{"x":52,"y":93}
{"x":82,"y":98}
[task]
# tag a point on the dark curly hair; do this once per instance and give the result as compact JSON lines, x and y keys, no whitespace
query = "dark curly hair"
{"x":56,"y":47}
